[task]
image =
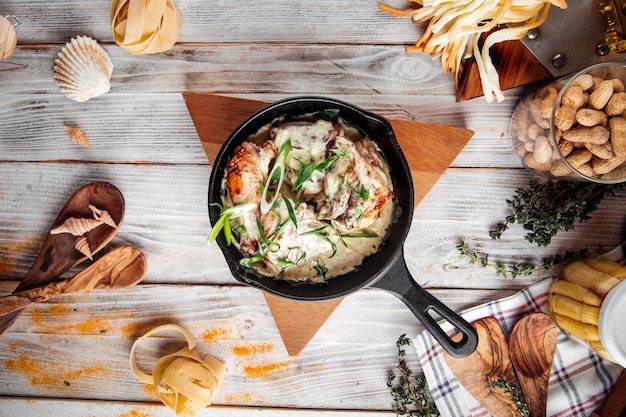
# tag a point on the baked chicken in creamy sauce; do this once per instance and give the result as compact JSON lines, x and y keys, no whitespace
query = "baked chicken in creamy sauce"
{"x":342,"y":209}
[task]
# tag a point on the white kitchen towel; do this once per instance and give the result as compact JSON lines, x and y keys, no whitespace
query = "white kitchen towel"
{"x":579,"y":382}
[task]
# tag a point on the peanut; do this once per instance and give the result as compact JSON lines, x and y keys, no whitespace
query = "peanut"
{"x":601,"y":95}
{"x":586,"y":169}
{"x":560,"y":169}
{"x":616,"y":104}
{"x":589,"y":128}
{"x":604,"y":151}
{"x":618,"y":85}
{"x":596,"y":135}
{"x":573,"y":97}
{"x":618,"y":135}
{"x":565,"y":116}
{"x":543,"y":150}
{"x":591,"y":117}
{"x":531,"y":162}
{"x":579,"y":157}
{"x":604,"y":166}
{"x":566,"y":147}
{"x":534,"y":131}
{"x":585,"y":81}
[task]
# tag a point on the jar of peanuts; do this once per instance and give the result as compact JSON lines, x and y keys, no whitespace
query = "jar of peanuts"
{"x":587,"y":300}
{"x":576,"y":128}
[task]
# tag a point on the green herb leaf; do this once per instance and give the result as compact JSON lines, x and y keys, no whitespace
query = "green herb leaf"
{"x":362,"y":234}
{"x":329,"y":114}
{"x":275,"y":178}
{"x":248,"y":262}
{"x":319,"y":233}
{"x":544,"y":209}
{"x":224,"y":221}
{"x":410,"y":393}
{"x":290,"y":210}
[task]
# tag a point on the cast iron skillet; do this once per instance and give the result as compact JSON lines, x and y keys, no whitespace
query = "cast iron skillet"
{"x":386,"y":268}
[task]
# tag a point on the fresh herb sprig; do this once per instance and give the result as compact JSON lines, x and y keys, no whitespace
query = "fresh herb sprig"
{"x":410,"y":393}
{"x":544,"y":209}
{"x":515,"y":270}
{"x":509,"y":387}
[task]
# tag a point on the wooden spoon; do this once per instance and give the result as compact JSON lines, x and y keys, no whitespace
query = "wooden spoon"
{"x":532,"y":343}
{"x":121,"y":268}
{"x":58,"y":253}
{"x":489,"y":363}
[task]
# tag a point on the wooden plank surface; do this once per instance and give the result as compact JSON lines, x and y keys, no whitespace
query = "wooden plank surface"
{"x":144,"y":142}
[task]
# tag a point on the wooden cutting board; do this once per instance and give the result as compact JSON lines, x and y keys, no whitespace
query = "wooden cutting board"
{"x":515,"y":64}
{"x":429,"y":149}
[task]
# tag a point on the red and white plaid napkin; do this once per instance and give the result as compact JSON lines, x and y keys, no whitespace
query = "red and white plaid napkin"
{"x":579,"y":381}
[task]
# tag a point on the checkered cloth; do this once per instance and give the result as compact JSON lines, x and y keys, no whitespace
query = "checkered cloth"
{"x":579,"y":381}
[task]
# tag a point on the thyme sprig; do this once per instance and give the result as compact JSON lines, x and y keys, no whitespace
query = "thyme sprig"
{"x":544,"y":209}
{"x":515,"y":270}
{"x":410,"y":393}
{"x":509,"y":387}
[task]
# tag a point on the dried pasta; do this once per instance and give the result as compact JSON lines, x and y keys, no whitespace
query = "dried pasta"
{"x":455,"y":27}
{"x":184,"y":382}
{"x":145,"y":26}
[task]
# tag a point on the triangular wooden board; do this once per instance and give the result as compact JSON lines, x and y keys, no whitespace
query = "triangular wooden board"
{"x":290,"y":316}
{"x":429,"y":149}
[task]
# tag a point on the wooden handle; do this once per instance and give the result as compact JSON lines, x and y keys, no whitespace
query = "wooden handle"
{"x":121,"y":268}
{"x":615,"y":403}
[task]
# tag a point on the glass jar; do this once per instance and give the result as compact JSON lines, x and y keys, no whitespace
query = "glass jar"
{"x":587,"y":300}
{"x":576,"y":128}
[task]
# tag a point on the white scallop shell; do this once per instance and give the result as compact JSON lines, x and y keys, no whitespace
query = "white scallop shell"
{"x":83,"y":69}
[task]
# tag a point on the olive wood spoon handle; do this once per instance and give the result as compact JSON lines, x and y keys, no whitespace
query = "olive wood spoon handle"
{"x":121,"y":268}
{"x":489,"y":362}
{"x":58,"y":253}
{"x":532,"y":343}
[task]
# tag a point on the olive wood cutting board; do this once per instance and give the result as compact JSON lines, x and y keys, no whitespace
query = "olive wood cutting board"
{"x":430,"y":149}
{"x":515,"y":64}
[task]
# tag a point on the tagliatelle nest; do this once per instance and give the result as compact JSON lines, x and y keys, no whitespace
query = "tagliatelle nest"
{"x":455,"y":27}
{"x":184,"y":382}
{"x":145,"y":26}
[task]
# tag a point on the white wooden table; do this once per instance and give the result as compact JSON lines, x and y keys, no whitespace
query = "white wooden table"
{"x":70,"y":356}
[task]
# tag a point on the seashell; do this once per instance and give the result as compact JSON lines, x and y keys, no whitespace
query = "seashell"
{"x":103,"y":216}
{"x":83,"y":69}
{"x":76,"y":226}
{"x":82,"y":245}
{"x":78,"y":136}
{"x":8,"y":38}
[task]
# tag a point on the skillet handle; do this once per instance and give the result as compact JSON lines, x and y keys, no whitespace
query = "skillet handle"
{"x":399,"y":282}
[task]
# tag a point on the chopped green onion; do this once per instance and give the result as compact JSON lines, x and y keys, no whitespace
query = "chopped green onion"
{"x":329,"y":113}
{"x":286,"y":262}
{"x":356,"y":235}
{"x":364,"y":193}
{"x":306,"y":172}
{"x":319,"y":234}
{"x":248,"y":262}
{"x":320,"y":267}
{"x":223,"y":223}
{"x":276,"y":175}
{"x":292,"y":213}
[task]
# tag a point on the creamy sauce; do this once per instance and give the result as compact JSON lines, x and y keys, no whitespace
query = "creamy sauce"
{"x":343,"y":209}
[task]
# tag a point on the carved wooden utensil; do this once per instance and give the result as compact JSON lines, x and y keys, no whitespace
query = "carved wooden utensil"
{"x":489,"y":362}
{"x":532,"y":343}
{"x":123,"y":267}
{"x":59,"y":253}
